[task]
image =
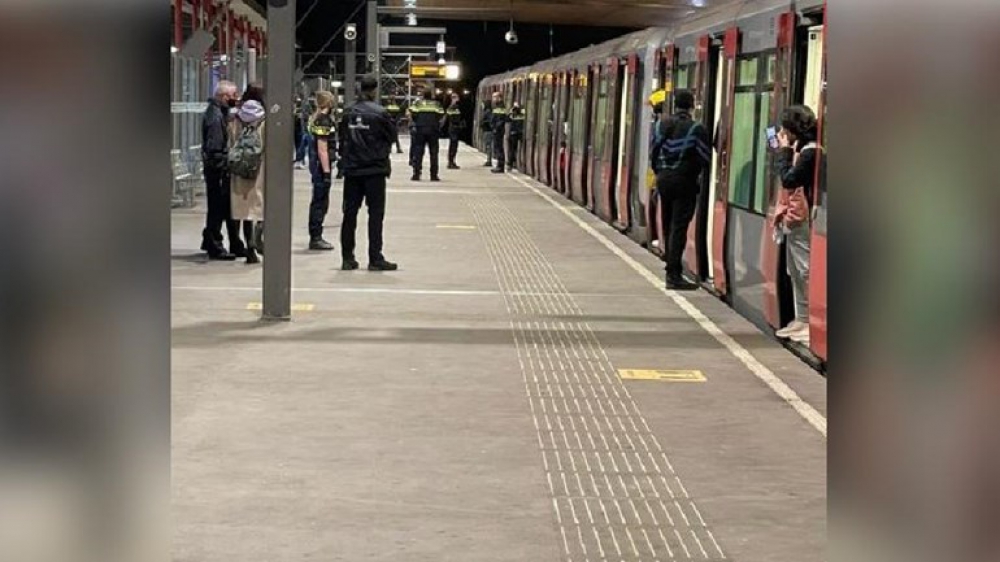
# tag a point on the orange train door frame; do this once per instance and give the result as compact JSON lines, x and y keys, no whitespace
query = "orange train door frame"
{"x":818,"y":265}
{"x":770,"y":252}
{"x":624,"y":215}
{"x":731,"y":45}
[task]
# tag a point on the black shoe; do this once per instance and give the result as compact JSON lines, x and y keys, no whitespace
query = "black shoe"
{"x":497,"y":170}
{"x":239,"y":251}
{"x":252,"y":257}
{"x":435,"y":178}
{"x":399,"y":152}
{"x":489,"y":164}
{"x":453,"y":166}
{"x":382,"y":265}
{"x":681,"y":284}
{"x":320,"y":245}
{"x":350,"y":265}
{"x":258,"y":238}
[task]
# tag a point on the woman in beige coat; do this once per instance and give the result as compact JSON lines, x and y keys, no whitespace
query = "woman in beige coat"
{"x":248,"y":194}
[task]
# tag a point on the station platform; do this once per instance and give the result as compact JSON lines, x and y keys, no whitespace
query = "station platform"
{"x":523,"y":389}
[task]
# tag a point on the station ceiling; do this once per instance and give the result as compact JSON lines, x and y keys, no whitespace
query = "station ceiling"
{"x":604,"y":13}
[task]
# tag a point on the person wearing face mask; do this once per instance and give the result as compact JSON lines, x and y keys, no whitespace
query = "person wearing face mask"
{"x":215,"y":156}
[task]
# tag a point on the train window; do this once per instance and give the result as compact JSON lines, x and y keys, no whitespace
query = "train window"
{"x":741,"y":154}
{"x":579,"y":113}
{"x":772,"y":68}
{"x":602,"y":115}
{"x":761,"y":194}
{"x":683,"y":78}
{"x":746,"y":72}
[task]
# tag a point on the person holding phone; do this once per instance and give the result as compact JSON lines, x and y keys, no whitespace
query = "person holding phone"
{"x":795,"y":164}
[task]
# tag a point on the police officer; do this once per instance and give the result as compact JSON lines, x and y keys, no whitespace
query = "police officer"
{"x":456,"y":124}
{"x":486,"y":124}
{"x":499,"y":117}
{"x":427,"y":114}
{"x":516,"y":134}
{"x":367,"y":134}
{"x":322,"y":157}
{"x":395,"y":112}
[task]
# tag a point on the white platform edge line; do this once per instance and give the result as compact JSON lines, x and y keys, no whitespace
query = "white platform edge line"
{"x":804,"y":409}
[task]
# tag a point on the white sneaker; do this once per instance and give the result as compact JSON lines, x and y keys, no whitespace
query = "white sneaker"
{"x":790,"y":329}
{"x":801,"y":335}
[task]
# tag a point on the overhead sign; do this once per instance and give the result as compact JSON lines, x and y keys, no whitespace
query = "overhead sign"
{"x":427,"y":70}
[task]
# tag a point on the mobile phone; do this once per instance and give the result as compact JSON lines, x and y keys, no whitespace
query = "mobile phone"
{"x":772,"y":137}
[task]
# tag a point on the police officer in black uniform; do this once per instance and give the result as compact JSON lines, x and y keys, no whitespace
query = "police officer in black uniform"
{"x":427,"y":115}
{"x":499,"y":117}
{"x":516,"y":134}
{"x":395,"y":112}
{"x":367,"y":135}
{"x":456,"y":124}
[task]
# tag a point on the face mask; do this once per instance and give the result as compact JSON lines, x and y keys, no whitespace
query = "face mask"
{"x":231,"y":103}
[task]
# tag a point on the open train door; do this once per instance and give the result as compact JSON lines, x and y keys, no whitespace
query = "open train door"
{"x":625,"y":149}
{"x":670,"y":63}
{"x":696,"y":250}
{"x":730,"y":49}
{"x":595,"y":74}
{"x":817,"y":257}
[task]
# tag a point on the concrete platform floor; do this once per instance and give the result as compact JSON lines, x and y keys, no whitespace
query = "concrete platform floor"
{"x":469,"y":406}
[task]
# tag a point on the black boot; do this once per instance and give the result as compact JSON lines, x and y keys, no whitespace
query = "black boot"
{"x":679,"y":283}
{"x":252,"y":256}
{"x":319,"y":245}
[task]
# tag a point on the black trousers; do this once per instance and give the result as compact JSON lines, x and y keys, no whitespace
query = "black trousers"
{"x":498,"y":149}
{"x":452,"y":147}
{"x":515,"y":144}
{"x":424,"y":142}
{"x":320,"y":203}
{"x":219,"y":212}
{"x":677,"y":209}
{"x":371,"y":191}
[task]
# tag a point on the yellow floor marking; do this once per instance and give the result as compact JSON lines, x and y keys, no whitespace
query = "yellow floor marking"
{"x":661,"y":375}
{"x":457,"y":226}
{"x":300,"y":307}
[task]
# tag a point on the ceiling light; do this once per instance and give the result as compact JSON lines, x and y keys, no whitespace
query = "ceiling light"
{"x":698,"y":3}
{"x":452,"y":72}
{"x":410,"y":3}
{"x":411,"y":19}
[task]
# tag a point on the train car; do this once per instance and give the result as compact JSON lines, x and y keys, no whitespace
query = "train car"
{"x":588,"y":127}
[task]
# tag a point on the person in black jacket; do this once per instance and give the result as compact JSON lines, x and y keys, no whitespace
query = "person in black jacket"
{"x":795,"y":164}
{"x":427,"y":114}
{"x":499,"y":118}
{"x":680,"y":153}
{"x":367,"y":135}
{"x":455,"y":124}
{"x":486,"y":124}
{"x":215,"y":156}
{"x":516,"y":134}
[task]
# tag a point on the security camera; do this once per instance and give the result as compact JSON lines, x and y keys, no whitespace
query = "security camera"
{"x":351,"y":33}
{"x":511,"y":37}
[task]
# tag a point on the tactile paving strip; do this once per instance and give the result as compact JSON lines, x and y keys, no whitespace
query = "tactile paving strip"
{"x":615,"y":493}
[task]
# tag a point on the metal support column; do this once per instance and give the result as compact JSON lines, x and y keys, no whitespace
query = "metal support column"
{"x":372,"y":37}
{"x":350,"y":70}
{"x":277,"y":167}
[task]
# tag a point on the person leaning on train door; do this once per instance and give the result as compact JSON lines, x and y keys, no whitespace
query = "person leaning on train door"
{"x":499,"y":118}
{"x":516,"y":134}
{"x":680,"y":154}
{"x":796,"y":166}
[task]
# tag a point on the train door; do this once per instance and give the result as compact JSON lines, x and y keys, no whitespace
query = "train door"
{"x":720,"y":278}
{"x":816,"y":94}
{"x":624,"y":146}
{"x":700,"y":82}
{"x":669,"y":80}
{"x":608,"y":129}
{"x":594,"y":136}
{"x":578,"y":138}
{"x":545,"y":130}
{"x":558,"y":133}
{"x":718,"y":87}
{"x":531,"y":126}
{"x":565,"y":122}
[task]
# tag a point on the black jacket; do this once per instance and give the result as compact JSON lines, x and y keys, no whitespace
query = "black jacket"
{"x":427,"y":115}
{"x":455,"y":120}
{"x":215,"y":136}
{"x":798,"y":174}
{"x":484,"y":120}
{"x":517,"y":123}
{"x":367,"y":135}
{"x":679,"y":153}
{"x":498,"y":120}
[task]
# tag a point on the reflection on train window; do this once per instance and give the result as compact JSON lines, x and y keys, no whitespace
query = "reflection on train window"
{"x":746,"y":72}
{"x":772,"y":68}
{"x":602,"y":116}
{"x":762,"y":193}
{"x":579,"y":114}
{"x":741,"y":152}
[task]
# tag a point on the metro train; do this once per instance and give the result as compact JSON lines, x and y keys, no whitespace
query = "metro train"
{"x":588,"y":125}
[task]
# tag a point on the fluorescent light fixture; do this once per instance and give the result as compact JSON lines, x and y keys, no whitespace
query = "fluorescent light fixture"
{"x":698,"y":3}
{"x":442,"y":62}
{"x":452,"y":72}
{"x":336,"y":84}
{"x":411,"y":19}
{"x":410,"y":3}
{"x":442,"y":48}
{"x":174,"y":49}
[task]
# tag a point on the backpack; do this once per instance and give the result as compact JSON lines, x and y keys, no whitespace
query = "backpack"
{"x":659,"y":155}
{"x":247,"y":154}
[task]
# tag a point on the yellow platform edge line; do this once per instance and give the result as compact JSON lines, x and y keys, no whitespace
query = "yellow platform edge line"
{"x":666,"y":375}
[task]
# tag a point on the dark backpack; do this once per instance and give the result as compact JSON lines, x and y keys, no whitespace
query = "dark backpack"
{"x":659,"y":153}
{"x":247,"y":154}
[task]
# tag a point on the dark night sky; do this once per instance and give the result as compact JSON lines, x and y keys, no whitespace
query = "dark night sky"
{"x":480,"y":48}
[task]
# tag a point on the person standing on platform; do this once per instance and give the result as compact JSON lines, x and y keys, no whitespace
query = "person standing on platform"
{"x":215,"y":157}
{"x":486,"y":124}
{"x":680,"y":154}
{"x":427,"y":114}
{"x":516,"y":134}
{"x":246,"y":162}
{"x":456,"y":125}
{"x":322,"y":156}
{"x":499,"y":117}
{"x":395,"y":112}
{"x":366,"y":138}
